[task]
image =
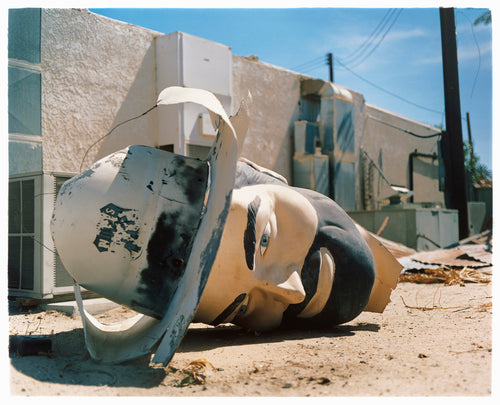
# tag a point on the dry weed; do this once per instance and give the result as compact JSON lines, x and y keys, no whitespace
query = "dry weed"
{"x":447,"y":276}
{"x":195,"y":373}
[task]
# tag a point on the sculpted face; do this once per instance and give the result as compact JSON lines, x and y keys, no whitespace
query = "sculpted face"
{"x":287,"y":256}
{"x":256,"y":274}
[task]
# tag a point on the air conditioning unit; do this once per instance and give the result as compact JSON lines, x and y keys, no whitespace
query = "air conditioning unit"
{"x":189,"y":61}
{"x":35,"y":270}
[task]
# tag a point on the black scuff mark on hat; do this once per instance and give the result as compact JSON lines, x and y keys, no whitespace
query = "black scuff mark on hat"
{"x":170,"y":245}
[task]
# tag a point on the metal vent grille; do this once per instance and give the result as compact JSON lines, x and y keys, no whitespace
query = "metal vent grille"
{"x":21,"y":265}
{"x":197,"y":151}
{"x":61,"y":276}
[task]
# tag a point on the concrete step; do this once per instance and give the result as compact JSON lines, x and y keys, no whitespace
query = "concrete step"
{"x":93,"y":306}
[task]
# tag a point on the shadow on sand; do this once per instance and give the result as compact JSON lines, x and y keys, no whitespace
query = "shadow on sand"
{"x":69,"y":362}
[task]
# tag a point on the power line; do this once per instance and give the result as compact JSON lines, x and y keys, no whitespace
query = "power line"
{"x":361,"y":49}
{"x":478,"y":51}
{"x":312,"y":68}
{"x":374,"y":48}
{"x":320,"y":61}
{"x":304,"y":65}
{"x":387,"y":91}
{"x":405,"y":130}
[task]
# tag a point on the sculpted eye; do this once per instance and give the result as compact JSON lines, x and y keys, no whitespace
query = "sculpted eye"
{"x":264,"y":241}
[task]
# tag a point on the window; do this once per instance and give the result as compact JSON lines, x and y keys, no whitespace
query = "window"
{"x":21,"y":234}
{"x":24,"y":101}
{"x":24,"y":34}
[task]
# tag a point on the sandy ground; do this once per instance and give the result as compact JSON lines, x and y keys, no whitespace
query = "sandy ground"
{"x":437,"y":342}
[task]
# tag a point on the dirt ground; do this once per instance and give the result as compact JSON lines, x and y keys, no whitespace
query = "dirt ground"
{"x":432,"y":340}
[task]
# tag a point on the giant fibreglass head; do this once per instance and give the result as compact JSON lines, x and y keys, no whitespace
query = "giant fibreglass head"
{"x":293,"y":256}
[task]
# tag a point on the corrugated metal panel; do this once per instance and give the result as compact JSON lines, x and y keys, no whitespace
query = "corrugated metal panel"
{"x":455,"y":257}
{"x":409,"y":263}
{"x":478,"y":252}
{"x":61,"y":276}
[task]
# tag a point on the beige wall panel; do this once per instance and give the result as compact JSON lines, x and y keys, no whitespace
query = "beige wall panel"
{"x":275,"y":93}
{"x":96,"y":73}
{"x":390,"y":148}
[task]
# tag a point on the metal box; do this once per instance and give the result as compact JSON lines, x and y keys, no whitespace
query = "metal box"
{"x":476,"y":214}
{"x":189,"y":61}
{"x":310,"y":167}
{"x":311,"y":171}
{"x":417,"y":228}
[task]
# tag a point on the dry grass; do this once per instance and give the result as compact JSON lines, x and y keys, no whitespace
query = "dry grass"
{"x":448,"y":276}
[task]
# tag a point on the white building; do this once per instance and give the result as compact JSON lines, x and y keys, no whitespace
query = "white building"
{"x":75,"y":75}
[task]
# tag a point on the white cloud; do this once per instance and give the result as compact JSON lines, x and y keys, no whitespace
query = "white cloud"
{"x":404,"y":35}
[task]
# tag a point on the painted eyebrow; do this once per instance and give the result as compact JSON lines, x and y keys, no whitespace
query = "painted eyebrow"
{"x":249,"y":237}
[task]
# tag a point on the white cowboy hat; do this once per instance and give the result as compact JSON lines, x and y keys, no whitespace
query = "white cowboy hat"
{"x":142,"y":227}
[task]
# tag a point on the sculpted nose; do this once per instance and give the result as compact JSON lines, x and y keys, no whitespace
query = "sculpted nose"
{"x":285,"y":284}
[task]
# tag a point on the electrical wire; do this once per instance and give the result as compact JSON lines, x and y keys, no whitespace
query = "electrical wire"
{"x":478,"y":52}
{"x":405,"y":130}
{"x":387,"y":91}
{"x":112,"y":129}
{"x":374,"y":48}
{"x":313,"y":64}
{"x":356,"y":60}
{"x":367,"y":41}
{"x":319,"y":59}
{"x":312,"y":68}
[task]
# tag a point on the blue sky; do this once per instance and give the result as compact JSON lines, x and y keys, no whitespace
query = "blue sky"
{"x":391,"y":56}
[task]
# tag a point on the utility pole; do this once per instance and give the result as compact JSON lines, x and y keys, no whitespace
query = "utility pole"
{"x":471,"y":147}
{"x":470,"y":188}
{"x":330,"y":65}
{"x":452,"y":142}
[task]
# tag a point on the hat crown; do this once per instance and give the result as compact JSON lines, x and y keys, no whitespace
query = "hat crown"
{"x":133,"y":218}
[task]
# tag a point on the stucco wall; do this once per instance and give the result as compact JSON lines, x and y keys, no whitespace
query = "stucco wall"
{"x":96,"y":72}
{"x":390,"y":148}
{"x":275,"y":93}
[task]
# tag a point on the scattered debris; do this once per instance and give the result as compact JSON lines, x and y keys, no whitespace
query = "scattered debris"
{"x":448,"y":276}
{"x":482,"y":307}
{"x":476,"y":348}
{"x":196,"y":373}
{"x":323,"y":381}
{"x":171,"y":369}
{"x":382,"y":227}
{"x":481,"y":253}
{"x":261,"y":366}
{"x":456,"y":257}
{"x":469,"y":261}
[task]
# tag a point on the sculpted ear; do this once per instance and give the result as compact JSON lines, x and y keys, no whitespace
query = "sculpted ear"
{"x":354,"y":273}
